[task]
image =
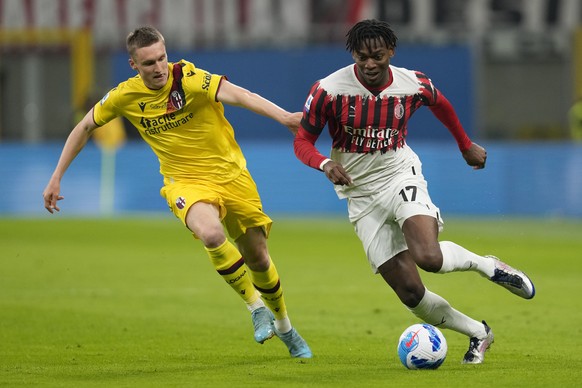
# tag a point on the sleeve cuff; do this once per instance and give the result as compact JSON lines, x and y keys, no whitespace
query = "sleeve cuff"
{"x":324,"y":162}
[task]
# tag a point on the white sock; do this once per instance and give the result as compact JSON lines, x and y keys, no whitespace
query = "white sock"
{"x":255,"y":305}
{"x":283,"y":325}
{"x":457,"y":258}
{"x":438,"y":312}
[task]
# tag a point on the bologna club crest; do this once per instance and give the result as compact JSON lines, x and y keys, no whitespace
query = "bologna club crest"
{"x":180,"y":203}
{"x":176,"y":100}
{"x":177,"y":97}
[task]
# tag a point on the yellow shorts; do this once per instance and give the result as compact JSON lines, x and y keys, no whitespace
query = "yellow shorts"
{"x":238,"y":202}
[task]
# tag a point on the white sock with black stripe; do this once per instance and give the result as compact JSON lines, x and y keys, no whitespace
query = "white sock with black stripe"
{"x":457,"y":258}
{"x":438,"y":312}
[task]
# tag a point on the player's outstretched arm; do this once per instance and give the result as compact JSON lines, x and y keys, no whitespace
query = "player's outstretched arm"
{"x":74,"y":144}
{"x":231,"y":94}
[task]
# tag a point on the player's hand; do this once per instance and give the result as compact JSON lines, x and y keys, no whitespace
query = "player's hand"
{"x":336,"y":174}
{"x":475,"y":156}
{"x":294,"y":121}
{"x":51,"y":196}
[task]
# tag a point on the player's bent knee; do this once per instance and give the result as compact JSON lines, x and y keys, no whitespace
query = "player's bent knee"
{"x":430,"y":261}
{"x":212,"y":237}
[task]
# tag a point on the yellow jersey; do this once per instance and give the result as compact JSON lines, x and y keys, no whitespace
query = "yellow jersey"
{"x":185,"y":126}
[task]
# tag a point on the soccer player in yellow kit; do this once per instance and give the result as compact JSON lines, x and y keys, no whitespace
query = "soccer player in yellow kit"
{"x":178,"y":110}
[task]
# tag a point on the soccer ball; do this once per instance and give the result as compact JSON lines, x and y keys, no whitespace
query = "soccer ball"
{"x":422,"y":346}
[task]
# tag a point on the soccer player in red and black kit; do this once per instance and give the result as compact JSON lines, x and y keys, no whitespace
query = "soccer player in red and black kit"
{"x":366,"y":107}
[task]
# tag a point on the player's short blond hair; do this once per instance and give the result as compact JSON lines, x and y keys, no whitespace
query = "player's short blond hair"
{"x":142,"y":37}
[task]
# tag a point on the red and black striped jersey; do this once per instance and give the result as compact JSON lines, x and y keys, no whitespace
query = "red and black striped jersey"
{"x":362,"y":120}
{"x":368,"y":127}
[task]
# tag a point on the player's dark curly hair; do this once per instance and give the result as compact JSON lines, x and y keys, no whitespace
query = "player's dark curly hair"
{"x":142,"y":37}
{"x":365,"y":31}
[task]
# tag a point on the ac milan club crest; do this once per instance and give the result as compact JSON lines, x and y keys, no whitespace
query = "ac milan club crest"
{"x":399,"y":110}
{"x":180,"y":203}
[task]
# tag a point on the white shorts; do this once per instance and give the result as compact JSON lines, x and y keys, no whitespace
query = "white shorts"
{"x":378,"y":218}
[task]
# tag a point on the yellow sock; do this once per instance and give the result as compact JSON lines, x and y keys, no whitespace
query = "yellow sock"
{"x":229,"y":264}
{"x":269,"y":285}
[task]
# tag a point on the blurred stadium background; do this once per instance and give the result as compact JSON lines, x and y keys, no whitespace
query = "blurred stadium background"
{"x":512,"y":69}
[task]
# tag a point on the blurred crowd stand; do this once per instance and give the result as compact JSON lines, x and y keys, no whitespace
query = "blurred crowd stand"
{"x":53,"y":53}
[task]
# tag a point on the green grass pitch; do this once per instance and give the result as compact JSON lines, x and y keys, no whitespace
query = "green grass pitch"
{"x":135,"y":303}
